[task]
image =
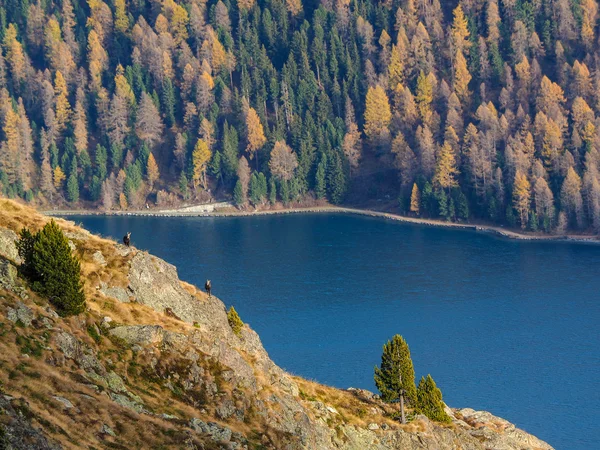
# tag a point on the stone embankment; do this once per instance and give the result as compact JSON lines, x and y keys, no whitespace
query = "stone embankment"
{"x":227,"y":209}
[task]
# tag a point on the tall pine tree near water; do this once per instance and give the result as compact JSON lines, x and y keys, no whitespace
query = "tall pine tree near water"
{"x":396,"y":372}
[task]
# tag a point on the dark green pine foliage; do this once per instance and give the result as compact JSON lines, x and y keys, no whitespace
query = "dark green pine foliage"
{"x":320,"y":178}
{"x":73,"y":188}
{"x":238,"y":194}
{"x":168,"y":101}
{"x":336,"y":180}
{"x":429,"y":400}
{"x":52,"y":269}
{"x":183,"y":185}
{"x":254,"y":190}
{"x":272,"y":191}
{"x":25,"y":248}
{"x":396,"y":362}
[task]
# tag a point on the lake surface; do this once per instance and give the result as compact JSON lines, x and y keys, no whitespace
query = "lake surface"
{"x":506,"y":326}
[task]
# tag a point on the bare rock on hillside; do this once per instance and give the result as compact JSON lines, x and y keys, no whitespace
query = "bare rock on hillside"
{"x":20,"y":313}
{"x":498,"y":433}
{"x":144,"y":335}
{"x":98,"y":258}
{"x":8,"y":247}
{"x":155,"y":283}
{"x":16,"y":431}
{"x":115,"y":292}
{"x":8,"y":275}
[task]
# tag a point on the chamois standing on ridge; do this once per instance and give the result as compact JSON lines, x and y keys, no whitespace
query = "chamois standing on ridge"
{"x":127,"y":239}
{"x":207,"y":287}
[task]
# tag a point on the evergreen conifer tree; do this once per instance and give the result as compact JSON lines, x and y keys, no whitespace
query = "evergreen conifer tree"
{"x":51,"y":268}
{"x":320,"y":180}
{"x":396,"y":372}
{"x":73,"y":188}
{"x":336,"y":181}
{"x":238,"y":194}
{"x":429,"y":400}
{"x":254,"y":190}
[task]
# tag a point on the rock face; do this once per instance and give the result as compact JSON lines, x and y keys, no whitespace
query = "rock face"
{"x":21,"y":313}
{"x":160,"y":372}
{"x":8,"y":249}
{"x":115,"y":292}
{"x":16,"y":432}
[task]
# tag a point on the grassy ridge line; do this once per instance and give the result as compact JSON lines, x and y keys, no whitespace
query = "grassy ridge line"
{"x":511,"y":234}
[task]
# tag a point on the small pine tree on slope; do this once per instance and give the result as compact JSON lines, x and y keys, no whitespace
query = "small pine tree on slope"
{"x":396,"y":372}
{"x":51,"y":268}
{"x":429,"y":400}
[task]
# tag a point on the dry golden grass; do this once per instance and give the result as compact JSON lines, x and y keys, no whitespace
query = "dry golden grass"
{"x":352,"y":410}
{"x":39,"y":378}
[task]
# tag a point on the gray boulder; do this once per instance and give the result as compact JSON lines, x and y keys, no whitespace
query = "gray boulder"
{"x":143,"y":335}
{"x":8,"y":248}
{"x":98,"y":258}
{"x":216,"y":431}
{"x":115,"y":292}
{"x":16,"y":430}
{"x":20,"y":312}
{"x":8,"y":275}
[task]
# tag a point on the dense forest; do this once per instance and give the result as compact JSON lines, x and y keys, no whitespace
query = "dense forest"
{"x":477,"y":110}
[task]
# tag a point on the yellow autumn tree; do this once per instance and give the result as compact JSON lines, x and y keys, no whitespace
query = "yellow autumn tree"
{"x":200,"y":158}
{"x":552,"y":145}
{"x":178,"y":20}
{"x":58,"y":177}
{"x":395,"y":68}
{"x":123,"y":201}
{"x":460,"y":30}
{"x":14,"y":53}
{"x":294,"y":7}
{"x":152,"y":171}
{"x":415,"y":199}
{"x":122,"y":87}
{"x":10,"y":149}
{"x":80,"y":132}
{"x":424,"y":97}
{"x":245,"y":4}
{"x":378,"y":115}
{"x":551,"y":95}
{"x":215,"y":50}
{"x":446,"y":170}
{"x":255,"y":133}
{"x":97,"y":57}
{"x":462,"y":77}
{"x":61,"y":101}
{"x":121,"y":17}
{"x":522,"y":197}
{"x":589,"y":10}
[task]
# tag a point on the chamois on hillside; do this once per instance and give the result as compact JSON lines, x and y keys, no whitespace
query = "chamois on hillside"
{"x":207,"y":287}
{"x":127,"y":239}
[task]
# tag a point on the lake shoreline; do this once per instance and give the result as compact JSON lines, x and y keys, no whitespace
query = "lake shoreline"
{"x":499,"y":231}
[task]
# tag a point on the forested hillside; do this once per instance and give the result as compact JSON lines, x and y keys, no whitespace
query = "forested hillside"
{"x":479,"y":110}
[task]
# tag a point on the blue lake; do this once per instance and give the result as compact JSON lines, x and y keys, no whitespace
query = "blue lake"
{"x":506,"y":326}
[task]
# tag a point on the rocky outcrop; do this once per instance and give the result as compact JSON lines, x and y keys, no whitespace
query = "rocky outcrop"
{"x":16,"y":431}
{"x":495,"y":432}
{"x":199,"y":364}
{"x":20,"y":314}
{"x":8,"y":249}
{"x":115,"y":292}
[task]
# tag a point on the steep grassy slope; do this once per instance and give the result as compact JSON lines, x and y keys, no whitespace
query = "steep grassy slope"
{"x":153,"y":363}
